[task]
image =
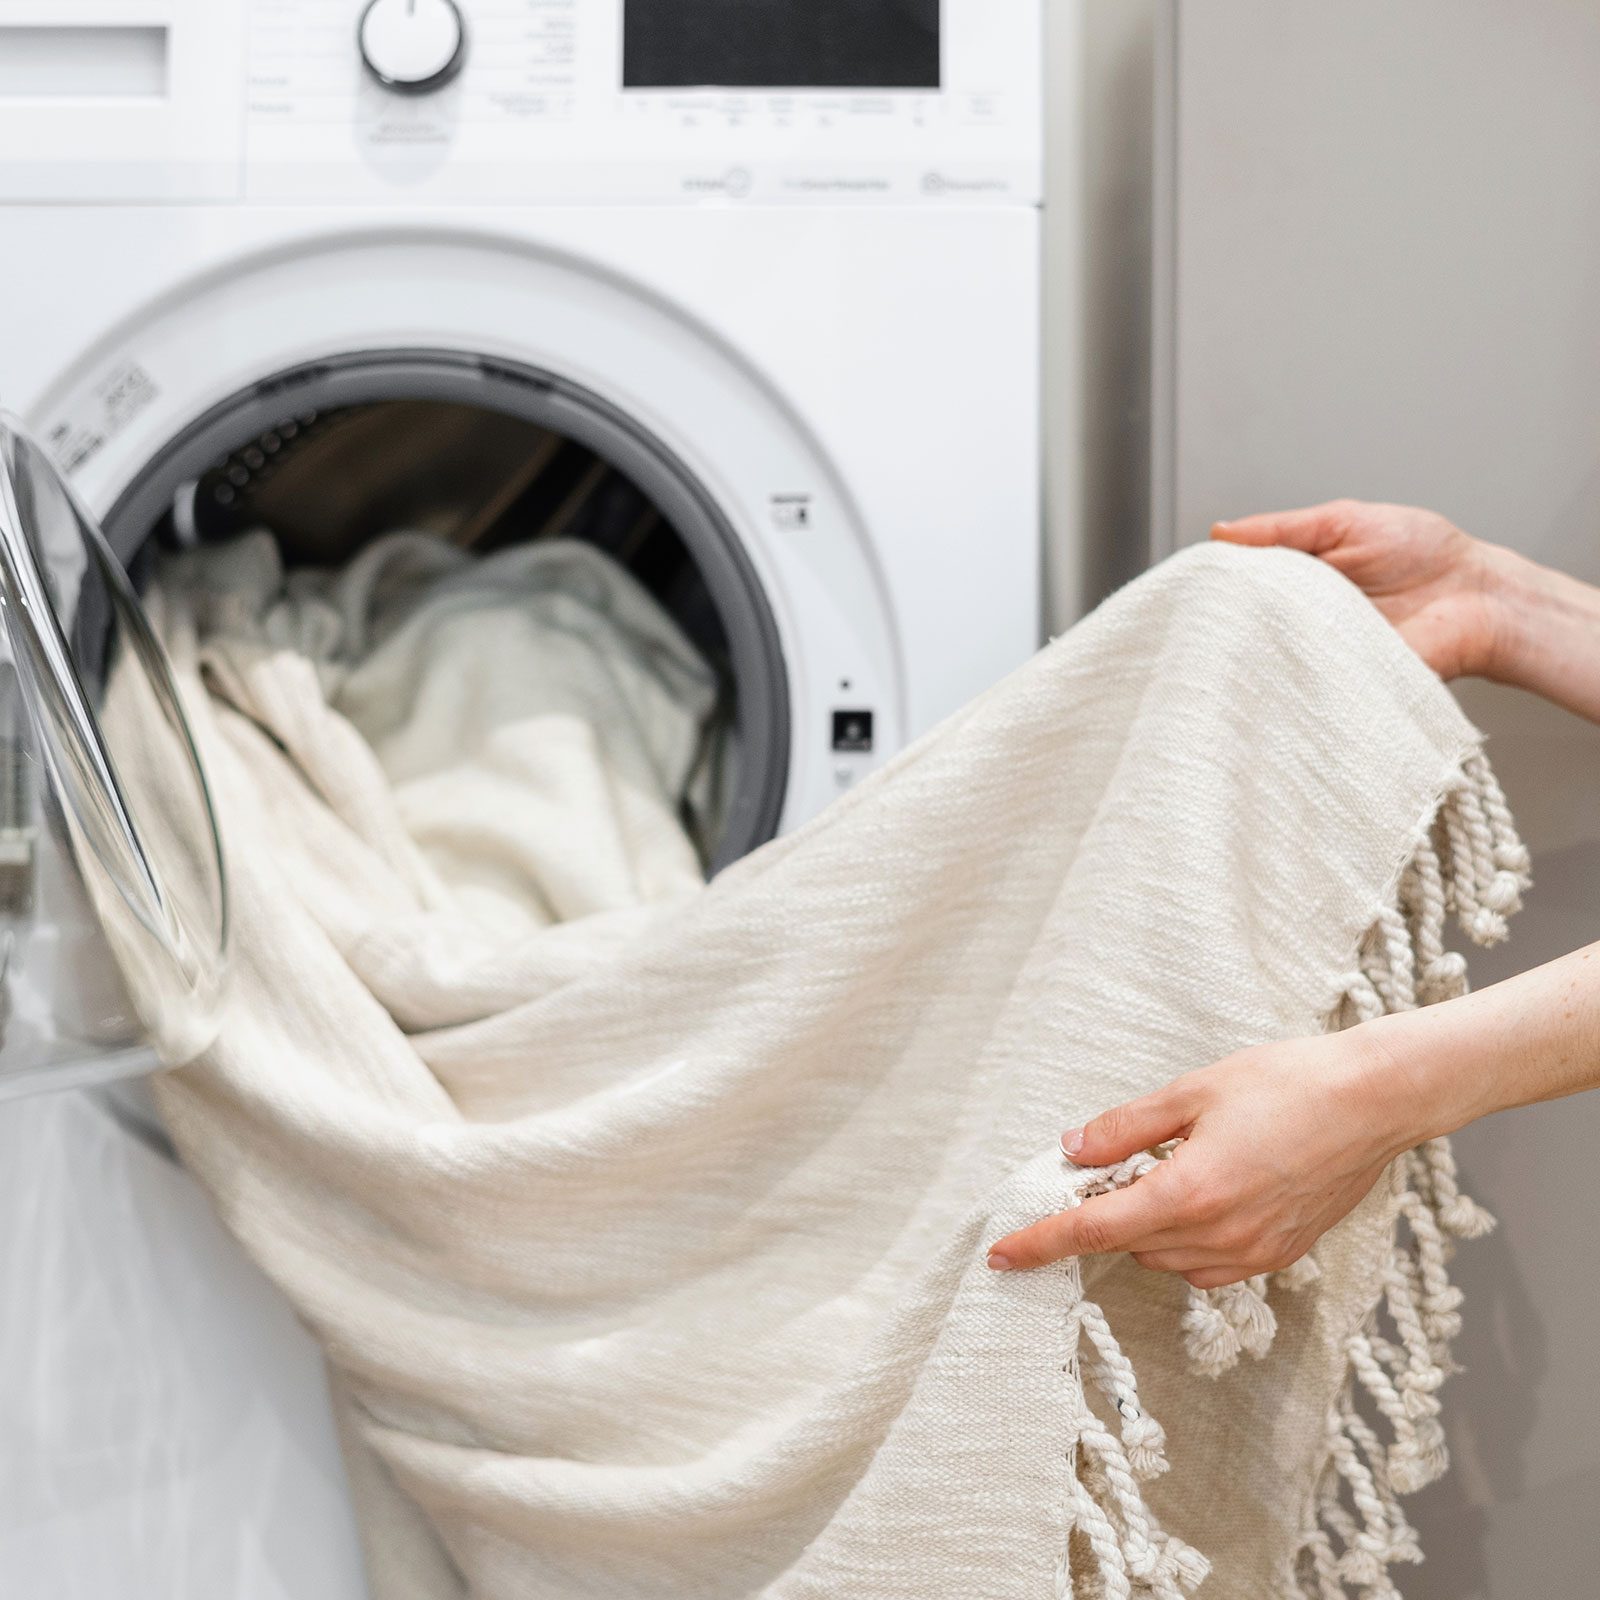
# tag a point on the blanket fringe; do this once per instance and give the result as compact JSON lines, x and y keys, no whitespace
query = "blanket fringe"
{"x":1470,"y":866}
{"x":1130,"y":1554}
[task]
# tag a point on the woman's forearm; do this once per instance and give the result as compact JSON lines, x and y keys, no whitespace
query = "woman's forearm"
{"x":1548,"y":631}
{"x":1533,"y":1037}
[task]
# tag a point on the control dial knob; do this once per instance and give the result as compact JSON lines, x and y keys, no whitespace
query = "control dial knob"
{"x":412,"y":46}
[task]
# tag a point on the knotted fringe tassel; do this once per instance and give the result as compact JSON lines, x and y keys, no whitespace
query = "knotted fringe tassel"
{"x":1473,"y":867}
{"x":1108,"y":1523}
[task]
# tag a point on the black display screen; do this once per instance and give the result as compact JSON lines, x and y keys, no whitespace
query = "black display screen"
{"x":780,"y":44}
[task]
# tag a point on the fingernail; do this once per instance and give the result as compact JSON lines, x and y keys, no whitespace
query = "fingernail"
{"x":1072,"y":1141}
{"x":998,"y":1262}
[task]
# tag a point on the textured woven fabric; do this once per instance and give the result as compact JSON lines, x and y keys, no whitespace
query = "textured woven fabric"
{"x":648,"y":1248}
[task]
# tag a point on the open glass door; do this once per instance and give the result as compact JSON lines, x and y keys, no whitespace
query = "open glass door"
{"x":113,"y":900}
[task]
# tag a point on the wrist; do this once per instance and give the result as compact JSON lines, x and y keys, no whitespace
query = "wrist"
{"x":1426,"y":1077}
{"x":1508,"y":585}
{"x":1371,"y":1092}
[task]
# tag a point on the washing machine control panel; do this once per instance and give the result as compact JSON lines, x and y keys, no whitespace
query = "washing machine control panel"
{"x":927,"y":102}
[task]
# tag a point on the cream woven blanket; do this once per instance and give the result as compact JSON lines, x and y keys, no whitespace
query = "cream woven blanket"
{"x":647,"y":1246}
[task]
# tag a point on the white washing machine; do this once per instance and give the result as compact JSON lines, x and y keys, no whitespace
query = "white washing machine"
{"x":772,"y":271}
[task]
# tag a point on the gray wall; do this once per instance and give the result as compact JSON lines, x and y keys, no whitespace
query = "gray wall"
{"x":1378,"y":274}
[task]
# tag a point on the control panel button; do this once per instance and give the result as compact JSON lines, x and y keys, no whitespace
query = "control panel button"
{"x":852,"y":732}
{"x":412,"y":46}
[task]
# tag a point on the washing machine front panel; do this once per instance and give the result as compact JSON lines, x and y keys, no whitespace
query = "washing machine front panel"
{"x":341,"y":295}
{"x":821,"y":295}
{"x":858,"y":390}
{"x":928,"y":102}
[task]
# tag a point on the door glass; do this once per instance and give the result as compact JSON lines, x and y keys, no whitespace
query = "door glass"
{"x":113,"y":907}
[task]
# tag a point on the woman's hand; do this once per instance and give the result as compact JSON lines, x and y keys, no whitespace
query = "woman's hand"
{"x":1468,"y":608}
{"x":1440,"y":587}
{"x":1280,"y":1142}
{"x":1284,"y":1140}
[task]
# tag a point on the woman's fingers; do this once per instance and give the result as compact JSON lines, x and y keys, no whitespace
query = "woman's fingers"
{"x":1116,"y":1134}
{"x":1123,"y":1220}
{"x":1314,"y":529}
{"x":1218,"y":1277}
{"x":1180,"y":1259}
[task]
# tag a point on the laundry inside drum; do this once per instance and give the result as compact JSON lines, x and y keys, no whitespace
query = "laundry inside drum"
{"x":327,"y":483}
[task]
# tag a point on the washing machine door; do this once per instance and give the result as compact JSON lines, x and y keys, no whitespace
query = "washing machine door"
{"x":113,"y":902}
